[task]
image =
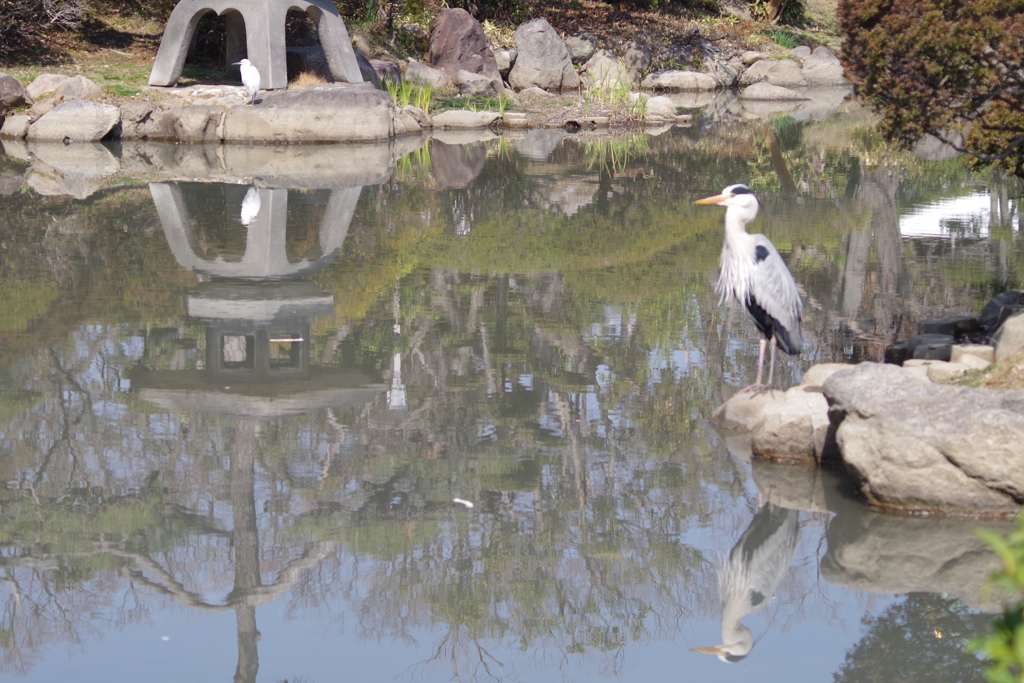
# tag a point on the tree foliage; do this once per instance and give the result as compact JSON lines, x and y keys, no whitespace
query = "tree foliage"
{"x":952,"y":69}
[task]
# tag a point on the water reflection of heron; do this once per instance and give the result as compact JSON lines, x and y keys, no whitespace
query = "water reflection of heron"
{"x":749,"y":578}
{"x":754,"y":274}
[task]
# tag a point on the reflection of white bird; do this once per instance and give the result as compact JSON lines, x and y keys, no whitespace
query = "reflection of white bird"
{"x":750,"y":577}
{"x":754,"y":275}
{"x":250,"y":206}
{"x":250,"y":78}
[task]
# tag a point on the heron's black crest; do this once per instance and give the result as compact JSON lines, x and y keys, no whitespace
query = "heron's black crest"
{"x":740,"y":189}
{"x":760,"y":253}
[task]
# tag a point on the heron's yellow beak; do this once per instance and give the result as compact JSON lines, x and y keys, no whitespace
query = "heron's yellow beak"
{"x":717,"y":650}
{"x":715,"y":199}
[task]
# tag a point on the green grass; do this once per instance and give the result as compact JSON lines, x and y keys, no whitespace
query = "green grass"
{"x":407,"y":93}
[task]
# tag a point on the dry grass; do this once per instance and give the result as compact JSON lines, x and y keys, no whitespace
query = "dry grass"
{"x":306,"y":79}
{"x":1006,"y":375}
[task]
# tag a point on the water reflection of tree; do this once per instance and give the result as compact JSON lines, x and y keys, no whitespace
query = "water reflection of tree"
{"x":558,"y":370}
{"x":921,"y":637}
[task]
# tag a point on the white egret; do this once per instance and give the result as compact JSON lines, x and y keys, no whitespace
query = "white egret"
{"x":250,"y":78}
{"x":754,"y":274}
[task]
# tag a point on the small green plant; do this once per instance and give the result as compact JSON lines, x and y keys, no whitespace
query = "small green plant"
{"x":1004,"y":647}
{"x":406,"y":92}
{"x":637,"y":108}
{"x":783,"y":38}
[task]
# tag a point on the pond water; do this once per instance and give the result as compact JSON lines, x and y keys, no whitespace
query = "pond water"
{"x":440,"y":413}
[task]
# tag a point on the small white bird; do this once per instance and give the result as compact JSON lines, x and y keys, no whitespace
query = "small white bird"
{"x":250,"y":79}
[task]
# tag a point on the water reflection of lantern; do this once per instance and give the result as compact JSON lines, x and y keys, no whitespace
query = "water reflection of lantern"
{"x":257,"y":312}
{"x":253,"y":301}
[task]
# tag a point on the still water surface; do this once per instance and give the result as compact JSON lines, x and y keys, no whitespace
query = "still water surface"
{"x":236,"y":413}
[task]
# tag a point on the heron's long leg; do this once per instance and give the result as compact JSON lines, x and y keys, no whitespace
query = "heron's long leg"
{"x":771,"y":369}
{"x":760,"y":359}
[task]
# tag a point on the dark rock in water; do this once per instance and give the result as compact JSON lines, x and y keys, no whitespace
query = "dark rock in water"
{"x":897,"y":353}
{"x":940,"y":351}
{"x":932,"y":346}
{"x":999,"y":309}
{"x":953,"y":325}
{"x":909,"y":444}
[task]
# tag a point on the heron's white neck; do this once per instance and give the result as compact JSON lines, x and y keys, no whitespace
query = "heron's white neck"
{"x":737,"y":260}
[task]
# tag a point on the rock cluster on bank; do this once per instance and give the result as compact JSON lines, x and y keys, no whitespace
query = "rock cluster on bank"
{"x":905,"y":441}
{"x":58,"y":108}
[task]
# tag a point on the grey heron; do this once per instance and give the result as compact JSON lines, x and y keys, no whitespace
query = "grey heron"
{"x":754,"y":275}
{"x":250,"y":78}
{"x":749,"y":578}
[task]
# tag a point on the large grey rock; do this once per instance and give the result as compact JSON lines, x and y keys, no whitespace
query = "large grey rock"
{"x":659,"y":109}
{"x":44,"y":84}
{"x":637,"y":58}
{"x":677,"y":79}
{"x":604,"y":72}
{"x":194,"y":123}
{"x":77,"y":120}
{"x":782,"y":72}
{"x":912,"y":445}
{"x":418,"y":72}
{"x":1009,"y":338}
{"x":580,"y":48}
{"x":15,"y":127}
{"x":822,"y":67}
{"x":458,"y":43}
{"x":543,"y":61}
{"x":505,"y":59}
{"x":133,"y":116}
{"x":12,"y":94}
{"x":78,"y":88}
{"x":326,"y":113}
{"x":477,"y":85}
{"x":458,"y":118}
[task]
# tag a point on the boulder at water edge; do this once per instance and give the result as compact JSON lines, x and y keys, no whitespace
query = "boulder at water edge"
{"x":77,"y":120}
{"x":909,"y":444}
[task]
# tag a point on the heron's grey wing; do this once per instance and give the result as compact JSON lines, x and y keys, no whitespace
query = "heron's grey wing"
{"x":766,"y":551}
{"x":775,"y":290}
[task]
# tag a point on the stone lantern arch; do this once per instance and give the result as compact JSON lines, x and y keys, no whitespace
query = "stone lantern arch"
{"x":255,"y":29}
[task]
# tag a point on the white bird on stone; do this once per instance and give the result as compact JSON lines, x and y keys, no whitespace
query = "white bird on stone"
{"x":250,"y":78}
